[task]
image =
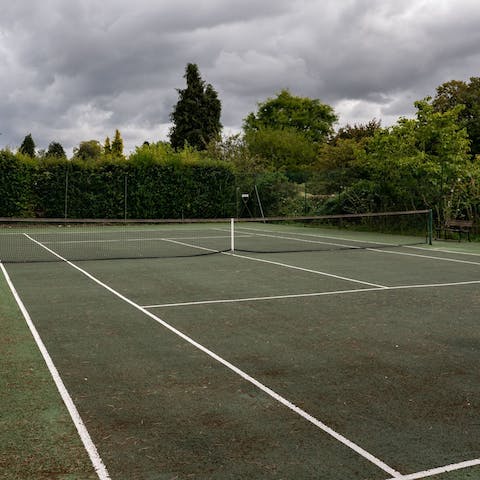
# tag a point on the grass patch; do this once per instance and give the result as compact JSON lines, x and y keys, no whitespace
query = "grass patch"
{"x":38,"y":438}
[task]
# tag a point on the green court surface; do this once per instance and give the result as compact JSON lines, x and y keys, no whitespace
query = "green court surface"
{"x":354,"y":364}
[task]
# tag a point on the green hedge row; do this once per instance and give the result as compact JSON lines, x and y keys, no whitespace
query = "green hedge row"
{"x":154,"y":182}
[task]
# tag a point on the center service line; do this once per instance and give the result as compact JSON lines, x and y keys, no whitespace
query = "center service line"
{"x":353,"y":446}
{"x":285,"y":265}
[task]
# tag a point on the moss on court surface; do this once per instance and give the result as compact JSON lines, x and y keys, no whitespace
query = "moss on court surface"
{"x":37,"y":437}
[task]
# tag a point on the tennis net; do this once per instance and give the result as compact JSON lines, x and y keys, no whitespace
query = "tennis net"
{"x":333,"y":232}
{"x":46,"y":240}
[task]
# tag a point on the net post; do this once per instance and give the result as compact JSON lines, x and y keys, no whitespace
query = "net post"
{"x":430,"y":226}
{"x":232,"y":234}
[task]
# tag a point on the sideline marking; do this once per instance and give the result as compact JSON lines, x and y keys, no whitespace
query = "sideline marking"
{"x":430,"y":257}
{"x":337,"y":436}
{"x":97,"y":462}
{"x":380,"y":250}
{"x":443,"y":250}
{"x":304,"y":240}
{"x":439,"y":470}
{"x":314,"y":294}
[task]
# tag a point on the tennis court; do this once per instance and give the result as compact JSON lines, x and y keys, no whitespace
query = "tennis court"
{"x":303,"y":353}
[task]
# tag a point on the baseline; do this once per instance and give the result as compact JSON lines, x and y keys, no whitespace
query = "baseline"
{"x":282,"y":400}
{"x":439,"y":470}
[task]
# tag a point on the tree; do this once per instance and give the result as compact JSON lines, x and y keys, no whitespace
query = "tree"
{"x":307,"y":116}
{"x":196,"y":116}
{"x":282,"y":149}
{"x":417,"y":163}
{"x":454,"y":93}
{"x":107,"y":147}
{"x":88,"y":150}
{"x":28,"y":146}
{"x":117,"y":145}
{"x":55,"y":150}
{"x":357,"y":132}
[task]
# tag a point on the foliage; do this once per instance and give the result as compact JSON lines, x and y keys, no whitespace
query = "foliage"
{"x":117,"y":145}
{"x":88,"y":150}
{"x":196,"y":116}
{"x":15,"y":184}
{"x":156,"y":182}
{"x":28,"y":146}
{"x":107,"y":146}
{"x":274,"y":189}
{"x":234,"y":151}
{"x":55,"y":150}
{"x":341,"y":165}
{"x":357,"y":132}
{"x":417,"y":163}
{"x":307,"y":116}
{"x":454,"y":93}
{"x":285,"y":149}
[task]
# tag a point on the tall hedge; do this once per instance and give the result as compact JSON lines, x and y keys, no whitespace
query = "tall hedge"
{"x":155,"y":182}
{"x":16,"y":177}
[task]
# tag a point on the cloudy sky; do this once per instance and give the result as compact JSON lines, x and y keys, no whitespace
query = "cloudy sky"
{"x":77,"y":70}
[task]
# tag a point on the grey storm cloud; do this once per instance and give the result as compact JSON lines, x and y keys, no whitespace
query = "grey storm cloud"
{"x":73,"y":71}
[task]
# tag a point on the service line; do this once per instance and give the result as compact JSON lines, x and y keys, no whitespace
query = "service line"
{"x":312,"y":294}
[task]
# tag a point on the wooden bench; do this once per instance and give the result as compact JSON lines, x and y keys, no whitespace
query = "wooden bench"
{"x":456,"y":226}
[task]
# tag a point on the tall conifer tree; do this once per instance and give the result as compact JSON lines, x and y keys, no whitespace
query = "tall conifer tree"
{"x":28,"y":146}
{"x":117,"y":144}
{"x":196,"y":116}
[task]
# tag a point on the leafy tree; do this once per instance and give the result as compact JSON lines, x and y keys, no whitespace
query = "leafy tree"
{"x":357,"y":132}
{"x":55,"y":150}
{"x":454,"y":93}
{"x":28,"y":146}
{"x":196,"y":116}
{"x":88,"y":150}
{"x":284,"y":149}
{"x":417,"y":163}
{"x":107,"y":147}
{"x":305,"y":115}
{"x":117,"y":145}
{"x":339,"y":165}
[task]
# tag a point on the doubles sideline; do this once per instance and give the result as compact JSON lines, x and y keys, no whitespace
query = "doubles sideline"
{"x":87,"y":441}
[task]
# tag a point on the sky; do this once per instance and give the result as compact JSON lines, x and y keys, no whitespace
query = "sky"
{"x":72,"y":71}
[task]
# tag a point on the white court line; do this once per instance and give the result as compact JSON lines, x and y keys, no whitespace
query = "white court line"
{"x":123,"y":240}
{"x":430,"y":257}
{"x":317,"y":272}
{"x":305,"y":240}
{"x":439,"y":470}
{"x":256,"y":299}
{"x":87,"y":441}
{"x":371,"y":249}
{"x":337,"y":436}
{"x":317,"y":235}
{"x":314,"y":294}
{"x":285,"y":265}
{"x":443,"y":250}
